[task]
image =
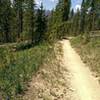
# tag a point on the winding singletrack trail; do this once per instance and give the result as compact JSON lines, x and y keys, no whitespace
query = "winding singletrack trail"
{"x":84,"y":84}
{"x":64,"y":78}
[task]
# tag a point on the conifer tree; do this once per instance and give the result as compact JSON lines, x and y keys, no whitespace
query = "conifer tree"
{"x":5,"y":18}
{"x":83,"y":15}
{"x":41,"y":24}
{"x":63,"y":9}
{"x":18,"y":4}
{"x":94,"y":14}
{"x":76,"y":23}
{"x":72,"y":14}
{"x":66,"y":9}
{"x":31,"y":19}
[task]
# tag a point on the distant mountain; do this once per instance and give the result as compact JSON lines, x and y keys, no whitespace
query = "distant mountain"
{"x":47,"y":12}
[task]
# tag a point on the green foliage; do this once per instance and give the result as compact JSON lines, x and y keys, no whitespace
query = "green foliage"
{"x":31,"y":22}
{"x":16,"y":68}
{"x":18,"y":5}
{"x":63,"y":9}
{"x":75,"y":23}
{"x":86,"y":19}
{"x":5,"y":20}
{"x":59,"y":31}
{"x":58,"y":22}
{"x":66,"y":9}
{"x":23,"y":45}
{"x":41,"y":25}
{"x":14,"y":16}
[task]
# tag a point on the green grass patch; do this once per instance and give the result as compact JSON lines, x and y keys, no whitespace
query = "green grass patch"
{"x":17,"y":68}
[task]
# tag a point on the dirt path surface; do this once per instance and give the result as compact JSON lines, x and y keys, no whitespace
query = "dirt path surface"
{"x":63,"y":77}
{"x":52,"y":81}
{"x":85,"y":85}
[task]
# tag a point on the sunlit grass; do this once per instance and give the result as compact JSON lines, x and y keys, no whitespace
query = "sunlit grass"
{"x":17,"y":68}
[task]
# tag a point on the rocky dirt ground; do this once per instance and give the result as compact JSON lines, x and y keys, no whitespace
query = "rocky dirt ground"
{"x":52,"y":81}
{"x":63,"y":77}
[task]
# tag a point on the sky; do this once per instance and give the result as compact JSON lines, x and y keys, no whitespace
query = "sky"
{"x":50,"y":4}
{"x":76,"y":4}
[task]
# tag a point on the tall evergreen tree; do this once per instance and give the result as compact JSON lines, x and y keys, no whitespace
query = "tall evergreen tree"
{"x":63,"y":9}
{"x":83,"y":15}
{"x":95,"y":14}
{"x":5,"y":18}
{"x":72,"y":14}
{"x":18,"y":4}
{"x":41,"y":24}
{"x":66,"y":9}
{"x":76,"y":23}
{"x":29,"y":20}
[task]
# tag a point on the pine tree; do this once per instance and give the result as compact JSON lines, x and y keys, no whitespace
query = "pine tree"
{"x":5,"y":18}
{"x":59,"y":21}
{"x":94,"y":13}
{"x":63,"y":9}
{"x":18,"y":4}
{"x":83,"y":15}
{"x":72,"y":14}
{"x":66,"y":9}
{"x":97,"y":10}
{"x":92,"y":16}
{"x":76,"y":23}
{"x":29,"y":19}
{"x":41,"y":24}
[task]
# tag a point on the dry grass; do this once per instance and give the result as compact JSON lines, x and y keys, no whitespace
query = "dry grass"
{"x":90,"y":53}
{"x":50,"y":83}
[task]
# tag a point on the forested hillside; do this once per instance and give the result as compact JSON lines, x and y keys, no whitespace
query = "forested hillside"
{"x":22,"y":20}
{"x":28,"y":33}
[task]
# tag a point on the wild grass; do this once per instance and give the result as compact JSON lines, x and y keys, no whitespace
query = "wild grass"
{"x":17,"y":68}
{"x":90,"y":52}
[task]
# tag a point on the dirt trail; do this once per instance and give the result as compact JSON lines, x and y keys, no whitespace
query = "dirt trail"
{"x":63,"y":77}
{"x":52,"y":81}
{"x":82,"y":81}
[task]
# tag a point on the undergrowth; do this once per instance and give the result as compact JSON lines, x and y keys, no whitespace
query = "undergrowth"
{"x":17,"y":68}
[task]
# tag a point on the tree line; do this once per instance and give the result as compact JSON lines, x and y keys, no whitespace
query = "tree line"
{"x":87,"y":19}
{"x":64,"y":21}
{"x":21,"y":20}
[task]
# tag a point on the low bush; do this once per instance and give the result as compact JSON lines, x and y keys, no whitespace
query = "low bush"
{"x":23,"y":45}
